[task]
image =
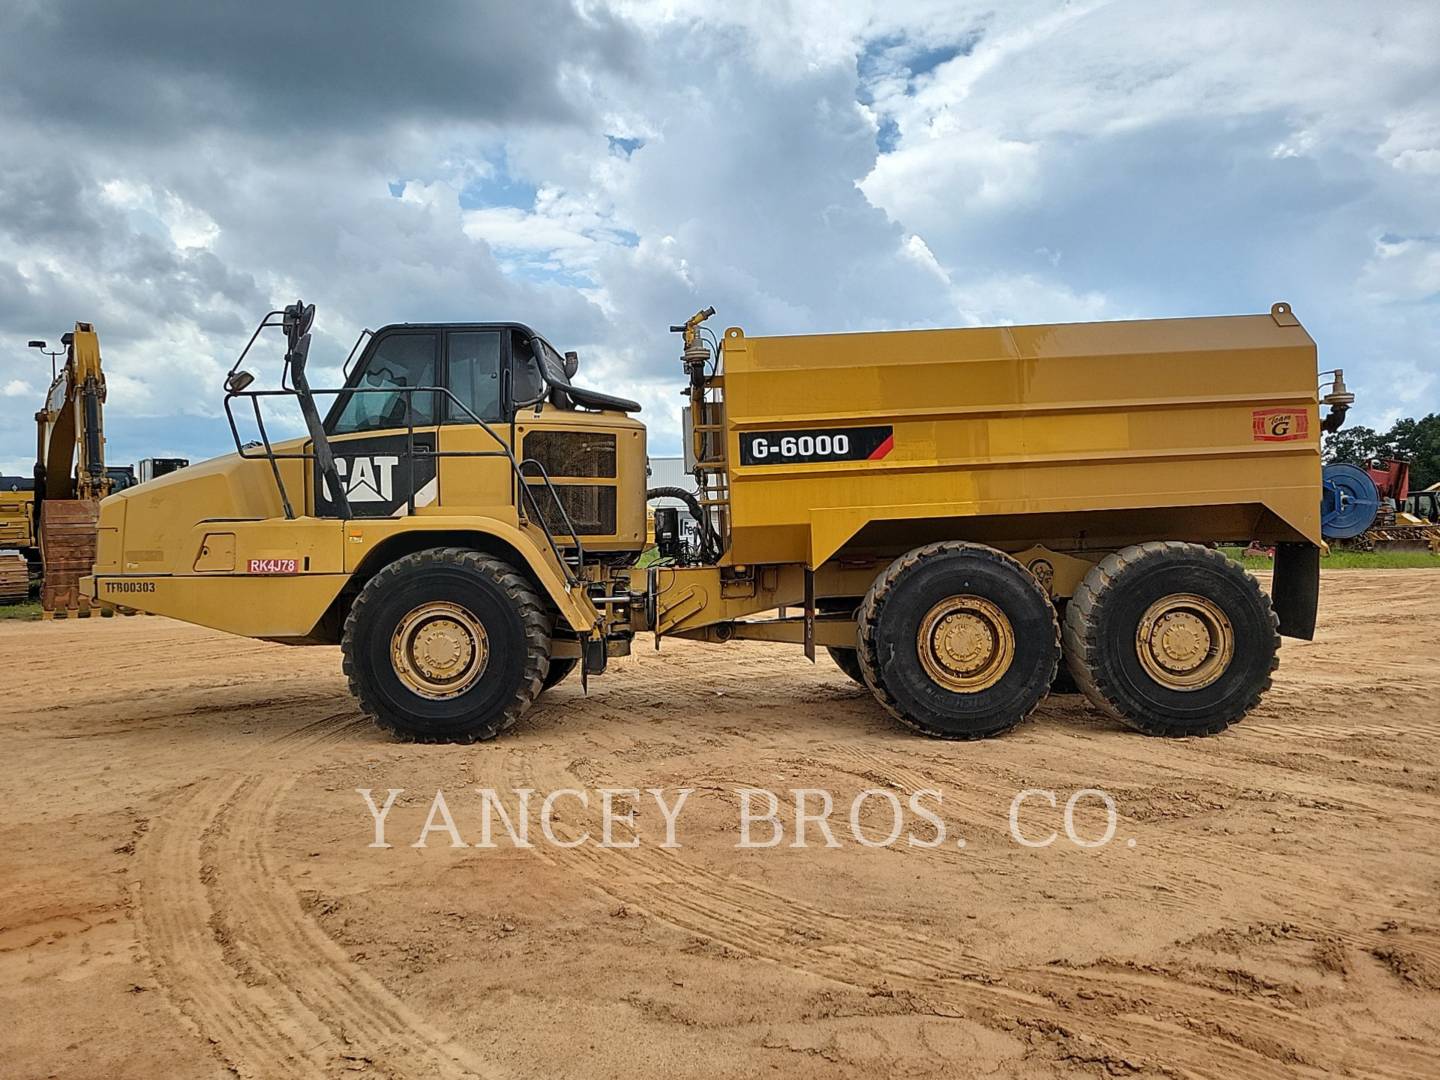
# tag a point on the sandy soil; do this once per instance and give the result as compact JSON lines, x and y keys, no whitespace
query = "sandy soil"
{"x":187,"y":888}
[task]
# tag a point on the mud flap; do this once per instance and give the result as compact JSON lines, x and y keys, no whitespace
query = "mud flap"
{"x":810,"y":614}
{"x":593,"y":659}
{"x":1295,"y":590}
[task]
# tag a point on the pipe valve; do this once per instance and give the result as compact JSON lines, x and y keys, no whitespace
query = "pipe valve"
{"x":1339,"y":399}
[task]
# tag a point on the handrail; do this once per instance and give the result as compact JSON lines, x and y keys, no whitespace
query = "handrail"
{"x":412,"y":452}
{"x":345,"y":367}
{"x":554,"y":494}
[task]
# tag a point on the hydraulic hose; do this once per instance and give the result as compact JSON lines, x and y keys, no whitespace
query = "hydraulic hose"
{"x":709,"y":542}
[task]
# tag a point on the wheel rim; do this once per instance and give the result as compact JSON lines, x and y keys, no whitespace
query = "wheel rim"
{"x":439,"y":650}
{"x":1184,"y":641}
{"x":966,"y":644}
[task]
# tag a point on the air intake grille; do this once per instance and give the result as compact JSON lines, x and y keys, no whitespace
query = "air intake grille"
{"x":591,"y":508}
{"x":573,"y":453}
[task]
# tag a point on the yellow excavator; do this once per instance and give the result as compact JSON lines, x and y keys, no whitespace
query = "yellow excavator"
{"x":63,"y":504}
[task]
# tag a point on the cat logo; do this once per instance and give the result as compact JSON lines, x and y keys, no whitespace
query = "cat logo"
{"x":381,"y":474}
{"x":368,"y":479}
{"x":1279,"y":425}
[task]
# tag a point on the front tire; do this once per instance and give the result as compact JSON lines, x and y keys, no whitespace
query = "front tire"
{"x":447,"y":645}
{"x":958,"y":640}
{"x":1171,"y":638}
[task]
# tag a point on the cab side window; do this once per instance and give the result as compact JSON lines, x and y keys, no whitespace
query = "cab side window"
{"x":525,"y":377}
{"x":474,"y":372}
{"x":398,"y":361}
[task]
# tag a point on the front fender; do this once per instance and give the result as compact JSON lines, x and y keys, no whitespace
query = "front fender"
{"x":373,"y":543}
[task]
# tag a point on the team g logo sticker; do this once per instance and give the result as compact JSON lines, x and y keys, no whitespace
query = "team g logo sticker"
{"x":1279,"y":425}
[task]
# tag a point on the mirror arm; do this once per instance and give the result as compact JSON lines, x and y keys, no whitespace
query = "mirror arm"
{"x":324,"y":455}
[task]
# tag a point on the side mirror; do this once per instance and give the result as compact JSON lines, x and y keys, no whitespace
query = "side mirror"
{"x":572,"y":363}
{"x":238,"y":381}
{"x":299,"y":317}
{"x":36,"y":344}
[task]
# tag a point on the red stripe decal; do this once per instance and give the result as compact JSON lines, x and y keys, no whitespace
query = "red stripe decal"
{"x":883,"y":449}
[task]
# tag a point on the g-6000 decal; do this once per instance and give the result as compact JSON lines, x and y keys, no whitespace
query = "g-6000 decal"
{"x":808,"y":445}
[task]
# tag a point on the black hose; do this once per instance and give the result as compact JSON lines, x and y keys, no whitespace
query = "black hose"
{"x":709,"y":542}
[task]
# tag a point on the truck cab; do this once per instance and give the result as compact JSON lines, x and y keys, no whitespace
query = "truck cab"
{"x":469,"y":433}
{"x":400,"y":449}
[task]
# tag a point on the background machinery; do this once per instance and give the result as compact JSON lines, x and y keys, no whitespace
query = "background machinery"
{"x":47,"y":523}
{"x":1425,"y":505}
{"x":17,"y":537}
{"x":1373,"y":509}
{"x":950,"y":513}
{"x":70,"y":473}
{"x":154,"y":468}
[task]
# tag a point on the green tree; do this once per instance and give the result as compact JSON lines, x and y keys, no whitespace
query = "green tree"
{"x":1418,"y":442}
{"x":1357,"y":445}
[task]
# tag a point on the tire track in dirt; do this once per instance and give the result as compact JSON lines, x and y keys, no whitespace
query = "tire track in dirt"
{"x":257,"y":1032}
{"x":1169,"y":887}
{"x":976,"y":788}
{"x":235,"y":952}
{"x":973,"y":804}
{"x":1161,"y":1023}
{"x":251,"y":898}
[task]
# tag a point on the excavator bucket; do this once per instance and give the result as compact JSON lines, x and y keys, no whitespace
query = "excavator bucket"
{"x":68,"y":532}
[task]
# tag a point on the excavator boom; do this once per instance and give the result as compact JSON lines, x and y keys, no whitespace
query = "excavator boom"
{"x":70,"y":476}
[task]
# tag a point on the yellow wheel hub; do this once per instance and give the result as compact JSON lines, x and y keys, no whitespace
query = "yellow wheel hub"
{"x":966,"y":644}
{"x":439,"y":650}
{"x":1184,"y":641}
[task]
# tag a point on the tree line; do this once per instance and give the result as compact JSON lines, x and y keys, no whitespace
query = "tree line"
{"x":1415,"y":441}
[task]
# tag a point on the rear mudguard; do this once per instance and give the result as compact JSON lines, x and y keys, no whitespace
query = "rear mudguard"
{"x":1295,"y":591}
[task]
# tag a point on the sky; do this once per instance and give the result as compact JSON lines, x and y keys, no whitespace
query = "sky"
{"x":171,"y":171}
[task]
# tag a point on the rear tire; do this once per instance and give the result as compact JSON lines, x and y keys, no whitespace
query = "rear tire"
{"x":958,"y":640}
{"x":1063,"y":684}
{"x":1171,"y":638}
{"x":447,"y":645}
{"x":847,"y":660}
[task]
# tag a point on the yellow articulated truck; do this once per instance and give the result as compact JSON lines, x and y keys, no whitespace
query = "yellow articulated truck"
{"x":951,"y":514}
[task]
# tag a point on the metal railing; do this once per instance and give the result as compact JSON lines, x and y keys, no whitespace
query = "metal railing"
{"x":522,"y":489}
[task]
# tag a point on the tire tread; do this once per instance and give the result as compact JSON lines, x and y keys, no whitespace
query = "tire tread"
{"x":1082,"y":646}
{"x":536,"y":620}
{"x":867,"y":622}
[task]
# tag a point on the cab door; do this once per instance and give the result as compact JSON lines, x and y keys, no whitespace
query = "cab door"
{"x":383,"y":428}
{"x":475,"y":473}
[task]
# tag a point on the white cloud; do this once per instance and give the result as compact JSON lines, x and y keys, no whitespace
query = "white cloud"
{"x":1412,"y":143}
{"x":1403,"y":270}
{"x":803,"y":167}
{"x":187,"y":226}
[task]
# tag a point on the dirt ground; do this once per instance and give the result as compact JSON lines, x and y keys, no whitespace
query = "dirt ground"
{"x":188,"y":889}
